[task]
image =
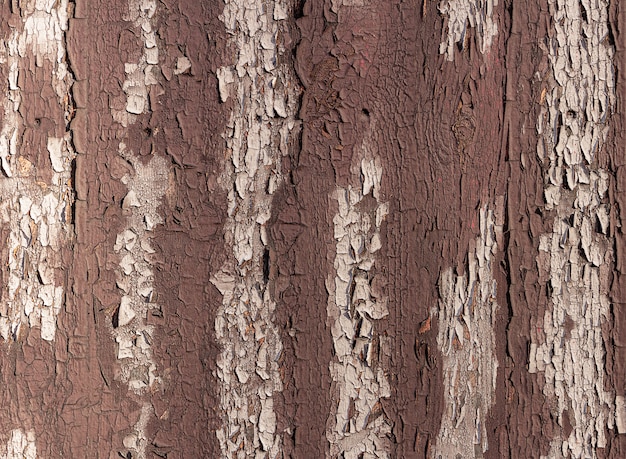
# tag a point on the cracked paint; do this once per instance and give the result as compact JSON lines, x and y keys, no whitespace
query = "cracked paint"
{"x":140,"y":76}
{"x":575,"y":259}
{"x":466,"y":339}
{"x":132,"y":333}
{"x":146,"y":186}
{"x":358,"y":426}
{"x":21,"y":445}
{"x":37,"y":212}
{"x":461,"y":14}
{"x":233,"y":290}
{"x":256,"y":140}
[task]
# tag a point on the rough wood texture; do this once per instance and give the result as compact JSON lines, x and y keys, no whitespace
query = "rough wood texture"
{"x":330,"y":228}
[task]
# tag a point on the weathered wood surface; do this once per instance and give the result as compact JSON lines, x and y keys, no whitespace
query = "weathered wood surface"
{"x":331,"y":228}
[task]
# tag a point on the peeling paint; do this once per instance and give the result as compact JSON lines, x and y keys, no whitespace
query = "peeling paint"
{"x":355,"y":307}
{"x":146,"y":187}
{"x":137,"y":440}
{"x":37,"y":213}
{"x":256,"y":139}
{"x":133,"y":335}
{"x":620,"y":414}
{"x":140,"y":76}
{"x":461,"y":14}
{"x":466,"y":339}
{"x":575,"y":259}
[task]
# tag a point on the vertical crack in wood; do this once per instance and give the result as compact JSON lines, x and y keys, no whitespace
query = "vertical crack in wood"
{"x":256,"y":139}
{"x":466,"y":339}
{"x":575,"y":260}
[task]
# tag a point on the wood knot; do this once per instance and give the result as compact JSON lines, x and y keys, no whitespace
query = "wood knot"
{"x":464,"y":128}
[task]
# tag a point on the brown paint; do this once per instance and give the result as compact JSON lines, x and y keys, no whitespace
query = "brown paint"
{"x":353,"y":68}
{"x":185,"y":124}
{"x":91,"y":360}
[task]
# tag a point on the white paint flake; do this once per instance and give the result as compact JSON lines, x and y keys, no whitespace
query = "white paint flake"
{"x":357,"y":425}
{"x":37,"y":213}
{"x":256,"y":138}
{"x":620,"y":414}
{"x":21,"y":445}
{"x":466,"y":339}
{"x":576,"y":257}
{"x":461,"y":14}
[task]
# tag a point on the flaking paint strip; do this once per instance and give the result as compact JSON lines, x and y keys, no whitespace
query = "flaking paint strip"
{"x":466,"y":339}
{"x":575,"y":257}
{"x":146,"y":187}
{"x":356,"y":425}
{"x":141,"y":75}
{"x":256,"y":138}
{"x":38,"y":214}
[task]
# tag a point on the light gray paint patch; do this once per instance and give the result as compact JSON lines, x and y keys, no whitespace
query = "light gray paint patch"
{"x":256,"y":138}
{"x":576,"y":257}
{"x":466,"y":339}
{"x":461,"y":14}
{"x":38,"y":214}
{"x":357,"y":427}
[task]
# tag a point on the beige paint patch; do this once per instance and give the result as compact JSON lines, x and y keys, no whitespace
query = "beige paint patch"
{"x":256,"y":139}
{"x":21,"y":445}
{"x":575,"y":258}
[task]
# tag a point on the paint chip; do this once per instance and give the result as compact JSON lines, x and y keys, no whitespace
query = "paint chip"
{"x":183,"y":64}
